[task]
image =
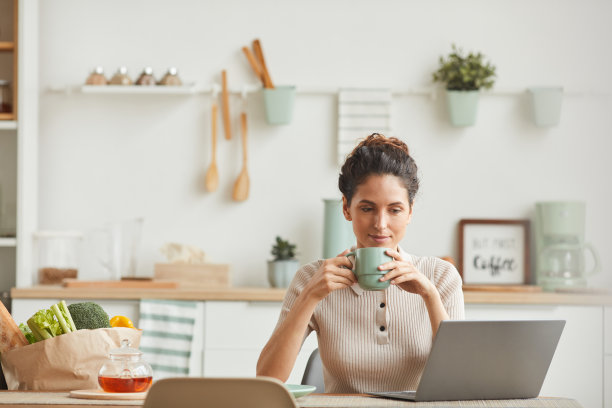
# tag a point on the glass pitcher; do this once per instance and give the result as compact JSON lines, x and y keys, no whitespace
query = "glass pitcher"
{"x":116,"y":248}
{"x":125,"y":370}
{"x":564,"y":264}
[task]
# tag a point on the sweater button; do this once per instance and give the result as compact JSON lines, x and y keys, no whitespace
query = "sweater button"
{"x":382,"y":328}
{"x":382,"y":305}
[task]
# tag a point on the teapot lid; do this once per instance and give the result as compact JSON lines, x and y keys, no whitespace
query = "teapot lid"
{"x":125,"y":350}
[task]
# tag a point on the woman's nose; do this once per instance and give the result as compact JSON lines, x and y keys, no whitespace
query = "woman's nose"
{"x":381,"y":220}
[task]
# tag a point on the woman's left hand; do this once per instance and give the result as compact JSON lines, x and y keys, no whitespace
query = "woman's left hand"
{"x":405,"y":275}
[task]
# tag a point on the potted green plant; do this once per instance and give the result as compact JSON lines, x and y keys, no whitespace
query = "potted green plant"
{"x":464,"y":76}
{"x":284,"y":265}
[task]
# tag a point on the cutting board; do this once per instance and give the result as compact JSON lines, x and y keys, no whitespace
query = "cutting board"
{"x":194,"y":276}
{"x":502,"y":288}
{"x":101,"y":394}
{"x":125,"y":284}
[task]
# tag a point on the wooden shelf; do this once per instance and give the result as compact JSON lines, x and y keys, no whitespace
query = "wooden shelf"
{"x":187,"y":89}
{"x":7,"y":46}
{"x":7,"y":116}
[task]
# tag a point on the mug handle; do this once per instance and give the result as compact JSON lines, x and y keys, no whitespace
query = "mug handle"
{"x":352,"y":253}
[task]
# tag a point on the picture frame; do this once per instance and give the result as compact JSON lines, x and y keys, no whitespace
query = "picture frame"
{"x":494,"y":252}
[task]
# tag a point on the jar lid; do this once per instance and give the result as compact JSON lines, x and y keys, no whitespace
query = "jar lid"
{"x":58,"y":234}
{"x":122,"y":70}
{"x":125,"y":350}
{"x":148,"y":70}
{"x":98,"y":70}
{"x":172,"y":71}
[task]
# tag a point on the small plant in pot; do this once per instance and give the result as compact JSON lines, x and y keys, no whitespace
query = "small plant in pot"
{"x":282,"y":268}
{"x":463,"y":77}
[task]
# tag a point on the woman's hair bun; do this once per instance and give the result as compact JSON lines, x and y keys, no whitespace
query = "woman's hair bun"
{"x":376,"y":139}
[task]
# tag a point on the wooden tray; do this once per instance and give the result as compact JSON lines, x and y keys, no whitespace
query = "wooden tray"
{"x":128,"y":284}
{"x":103,"y":395}
{"x":502,"y":288}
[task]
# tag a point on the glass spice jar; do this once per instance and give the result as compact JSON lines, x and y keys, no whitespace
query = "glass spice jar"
{"x":96,"y":77}
{"x":121,"y":77}
{"x":171,"y":78}
{"x":57,"y":256}
{"x":146,"y":78}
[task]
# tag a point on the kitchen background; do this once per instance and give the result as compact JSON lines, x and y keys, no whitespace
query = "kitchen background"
{"x":113,"y":157}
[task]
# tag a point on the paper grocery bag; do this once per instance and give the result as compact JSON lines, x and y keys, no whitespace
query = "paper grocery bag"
{"x":67,"y":362}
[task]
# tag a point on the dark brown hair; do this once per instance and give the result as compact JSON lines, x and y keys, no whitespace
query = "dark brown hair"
{"x":378,"y":155}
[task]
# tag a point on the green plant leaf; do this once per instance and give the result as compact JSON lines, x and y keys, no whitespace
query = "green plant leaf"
{"x":461,"y":72}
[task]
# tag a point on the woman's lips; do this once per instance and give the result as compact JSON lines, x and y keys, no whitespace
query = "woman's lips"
{"x":379,"y":238}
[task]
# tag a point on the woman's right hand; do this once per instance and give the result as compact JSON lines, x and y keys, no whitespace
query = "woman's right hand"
{"x":333,"y":274}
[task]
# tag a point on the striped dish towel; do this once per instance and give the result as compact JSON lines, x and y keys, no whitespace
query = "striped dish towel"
{"x":361,"y":112}
{"x":169,"y":331}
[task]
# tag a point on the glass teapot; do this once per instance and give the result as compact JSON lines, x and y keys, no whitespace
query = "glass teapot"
{"x":125,"y":370}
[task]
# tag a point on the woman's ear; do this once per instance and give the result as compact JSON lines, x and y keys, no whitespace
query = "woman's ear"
{"x":345,"y":209}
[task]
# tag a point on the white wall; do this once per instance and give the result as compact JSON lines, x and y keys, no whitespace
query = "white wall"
{"x":112,"y":157}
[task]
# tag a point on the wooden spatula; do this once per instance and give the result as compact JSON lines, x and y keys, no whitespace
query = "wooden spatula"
{"x":211,"y":181}
{"x":241,"y":187}
{"x":262,"y":63}
{"x":254,"y":63}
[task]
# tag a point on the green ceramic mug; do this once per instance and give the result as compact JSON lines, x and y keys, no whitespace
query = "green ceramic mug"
{"x":365,"y":267}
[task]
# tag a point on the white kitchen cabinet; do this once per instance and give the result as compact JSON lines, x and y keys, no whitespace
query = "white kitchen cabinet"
{"x":608,"y":381}
{"x":607,"y":376}
{"x":608,"y":330}
{"x":235,"y":334}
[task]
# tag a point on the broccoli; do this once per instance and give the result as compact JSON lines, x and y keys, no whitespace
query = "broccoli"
{"x":88,"y":315}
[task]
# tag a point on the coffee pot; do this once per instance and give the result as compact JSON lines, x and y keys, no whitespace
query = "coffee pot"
{"x":561,"y":248}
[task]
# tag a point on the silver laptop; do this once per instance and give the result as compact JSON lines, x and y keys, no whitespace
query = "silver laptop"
{"x":476,"y":360}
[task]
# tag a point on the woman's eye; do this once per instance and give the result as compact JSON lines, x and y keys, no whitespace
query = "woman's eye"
{"x":396,"y":210}
{"x":366,"y":209}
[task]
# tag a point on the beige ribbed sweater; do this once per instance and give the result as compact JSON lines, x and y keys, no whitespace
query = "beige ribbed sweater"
{"x":376,"y":340}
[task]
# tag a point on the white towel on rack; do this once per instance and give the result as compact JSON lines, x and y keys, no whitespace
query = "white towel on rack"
{"x":169,"y":336}
{"x":361,"y":112}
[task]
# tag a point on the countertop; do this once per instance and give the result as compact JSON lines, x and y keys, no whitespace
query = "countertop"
{"x":277,"y":295}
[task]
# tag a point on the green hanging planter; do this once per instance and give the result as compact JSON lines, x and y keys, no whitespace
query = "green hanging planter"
{"x":462,"y":107}
{"x":546,"y":104}
{"x":278,"y":102}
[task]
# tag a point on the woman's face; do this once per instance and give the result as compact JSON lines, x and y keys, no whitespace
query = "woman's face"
{"x":380,"y":211}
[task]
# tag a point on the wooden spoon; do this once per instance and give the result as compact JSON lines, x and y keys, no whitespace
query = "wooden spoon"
{"x":241,"y":187}
{"x":211,"y":181}
{"x":225,"y":102}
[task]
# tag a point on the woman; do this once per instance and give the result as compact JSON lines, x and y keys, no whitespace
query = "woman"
{"x":369,"y":340}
